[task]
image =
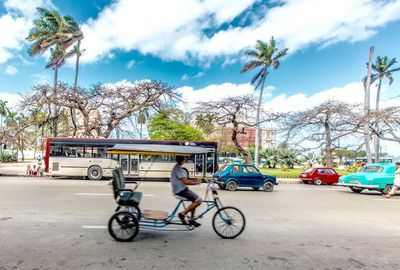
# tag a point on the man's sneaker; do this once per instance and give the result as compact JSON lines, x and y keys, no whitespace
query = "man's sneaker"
{"x":182,"y":218}
{"x":194,"y":223}
{"x":387,"y":196}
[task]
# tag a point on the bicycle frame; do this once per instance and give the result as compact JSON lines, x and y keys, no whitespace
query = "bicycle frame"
{"x":211,"y":204}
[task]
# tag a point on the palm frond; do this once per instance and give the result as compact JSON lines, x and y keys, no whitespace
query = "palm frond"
{"x":251,"y":65}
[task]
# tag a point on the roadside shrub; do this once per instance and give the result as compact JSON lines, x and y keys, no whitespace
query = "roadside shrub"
{"x":352,"y":169}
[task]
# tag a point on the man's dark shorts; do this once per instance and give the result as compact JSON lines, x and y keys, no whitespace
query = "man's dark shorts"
{"x":189,"y":195}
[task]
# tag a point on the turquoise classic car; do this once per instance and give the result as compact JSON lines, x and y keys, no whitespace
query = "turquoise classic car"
{"x":377,"y":176}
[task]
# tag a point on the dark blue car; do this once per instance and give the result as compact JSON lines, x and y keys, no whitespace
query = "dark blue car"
{"x":232,"y":176}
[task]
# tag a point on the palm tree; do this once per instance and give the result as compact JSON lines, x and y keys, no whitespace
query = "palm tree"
{"x":52,"y":30}
{"x":4,"y":111}
{"x":265,"y":56}
{"x":142,"y":118}
{"x":383,"y":68}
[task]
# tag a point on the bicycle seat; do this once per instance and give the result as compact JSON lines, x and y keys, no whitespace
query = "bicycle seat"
{"x":180,"y":198}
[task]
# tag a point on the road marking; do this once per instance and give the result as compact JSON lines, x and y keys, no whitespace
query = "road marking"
{"x":106,"y":194}
{"x":387,"y":200}
{"x":93,"y":227}
{"x":319,"y":189}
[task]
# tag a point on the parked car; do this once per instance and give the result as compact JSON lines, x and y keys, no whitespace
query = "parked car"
{"x":376,"y":176}
{"x":319,"y":176}
{"x":232,"y":176}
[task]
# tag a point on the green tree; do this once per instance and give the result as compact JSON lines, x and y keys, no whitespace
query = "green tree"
{"x":51,"y":30}
{"x":4,"y":111}
{"x":382,"y":68}
{"x":205,"y":123}
{"x":169,"y":125}
{"x":265,"y":56}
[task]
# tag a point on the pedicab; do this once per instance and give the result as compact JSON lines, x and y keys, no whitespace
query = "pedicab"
{"x":227,"y":222}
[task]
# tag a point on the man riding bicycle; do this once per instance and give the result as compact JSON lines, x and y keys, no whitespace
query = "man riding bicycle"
{"x":180,"y":181}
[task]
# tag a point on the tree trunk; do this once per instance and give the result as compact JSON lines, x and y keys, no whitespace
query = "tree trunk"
{"x":257,"y":142}
{"x":328,"y":141}
{"x":367,"y":107}
{"x":376,"y":137}
{"x":73,"y":110}
{"x":55,"y":112}
{"x":141,"y":131}
{"x":241,"y":150}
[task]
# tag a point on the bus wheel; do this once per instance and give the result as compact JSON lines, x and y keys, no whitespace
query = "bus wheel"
{"x":95,"y":173}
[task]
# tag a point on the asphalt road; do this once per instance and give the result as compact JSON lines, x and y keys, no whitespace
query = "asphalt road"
{"x":60,"y":224}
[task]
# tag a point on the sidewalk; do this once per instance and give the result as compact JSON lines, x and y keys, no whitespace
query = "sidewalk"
{"x":15,"y":168}
{"x":19,"y":169}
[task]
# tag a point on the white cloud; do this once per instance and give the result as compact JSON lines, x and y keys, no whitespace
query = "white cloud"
{"x":12,"y":99}
{"x":11,"y":70}
{"x":213,"y":92}
{"x":41,"y":78}
{"x":15,"y":25}
{"x":352,"y":93}
{"x":175,"y":30}
{"x":130,"y":64}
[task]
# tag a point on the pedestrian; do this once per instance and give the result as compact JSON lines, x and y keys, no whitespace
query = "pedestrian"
{"x":179,"y":181}
{"x":396,"y":182}
{"x":28,"y":170}
{"x":34,"y":170}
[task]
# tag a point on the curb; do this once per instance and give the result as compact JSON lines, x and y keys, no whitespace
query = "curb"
{"x":289,"y":181}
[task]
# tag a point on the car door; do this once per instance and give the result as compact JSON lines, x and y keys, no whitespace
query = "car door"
{"x":257,"y":179}
{"x":331,"y":176}
{"x":248,"y":177}
{"x":235,"y":173}
{"x":320,"y":174}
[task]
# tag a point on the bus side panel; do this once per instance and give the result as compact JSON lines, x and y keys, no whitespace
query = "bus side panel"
{"x":65,"y":166}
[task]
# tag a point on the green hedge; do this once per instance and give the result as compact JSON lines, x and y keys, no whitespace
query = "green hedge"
{"x":290,"y":173}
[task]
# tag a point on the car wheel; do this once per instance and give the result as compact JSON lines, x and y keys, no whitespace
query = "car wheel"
{"x":95,"y":173}
{"x":318,"y":182}
{"x":356,"y":189}
{"x":387,"y":189}
{"x":231,"y":185}
{"x":268,"y":186}
{"x":256,"y":188}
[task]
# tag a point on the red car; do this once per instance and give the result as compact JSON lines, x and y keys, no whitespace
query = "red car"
{"x":319,"y":176}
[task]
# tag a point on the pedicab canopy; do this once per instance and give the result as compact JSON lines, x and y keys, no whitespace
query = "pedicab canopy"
{"x":156,"y":149}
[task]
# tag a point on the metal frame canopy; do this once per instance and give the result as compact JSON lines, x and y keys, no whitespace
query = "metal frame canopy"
{"x":157,"y":149}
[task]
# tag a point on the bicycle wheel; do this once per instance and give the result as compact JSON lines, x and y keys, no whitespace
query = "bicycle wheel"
{"x":229,"y":222}
{"x":123,"y":226}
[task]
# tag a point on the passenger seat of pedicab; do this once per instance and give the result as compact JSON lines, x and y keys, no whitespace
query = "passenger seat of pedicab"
{"x":121,"y":194}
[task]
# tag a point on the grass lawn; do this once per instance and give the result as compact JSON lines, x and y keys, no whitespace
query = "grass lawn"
{"x":291,"y":173}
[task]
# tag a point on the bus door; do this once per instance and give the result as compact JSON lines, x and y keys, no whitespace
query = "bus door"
{"x":199,"y":165}
{"x":134,"y":164}
{"x":210,"y":162}
{"x":124,"y":163}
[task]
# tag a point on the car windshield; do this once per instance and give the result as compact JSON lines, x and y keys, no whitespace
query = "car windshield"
{"x":224,"y":168}
{"x":308,"y":170}
{"x":372,"y":169}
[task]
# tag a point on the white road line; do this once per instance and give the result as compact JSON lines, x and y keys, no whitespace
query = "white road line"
{"x":319,"y":189}
{"x":387,"y":200}
{"x":106,"y":194}
{"x":93,"y":194}
{"x":93,"y":227}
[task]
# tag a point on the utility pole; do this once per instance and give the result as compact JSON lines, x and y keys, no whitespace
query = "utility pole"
{"x":367,"y":106}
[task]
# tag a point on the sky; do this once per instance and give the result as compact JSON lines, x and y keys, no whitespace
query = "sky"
{"x":198,"y":47}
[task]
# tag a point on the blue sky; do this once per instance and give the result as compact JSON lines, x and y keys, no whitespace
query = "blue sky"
{"x":197,"y":46}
